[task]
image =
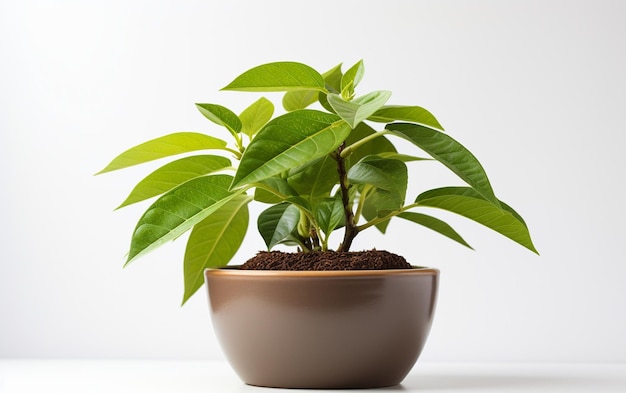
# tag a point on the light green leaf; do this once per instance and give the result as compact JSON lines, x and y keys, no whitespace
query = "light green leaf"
{"x":435,"y":224}
{"x":289,"y":141}
{"x":468,"y":203}
{"x":413,"y":114}
{"x":332,"y":79}
{"x":221,"y":116}
{"x":277,"y":223}
{"x":279,"y":76}
{"x":386,"y":174}
{"x":372,"y":147}
{"x":402,"y":157}
{"x":329,"y":214}
{"x":279,"y":190}
{"x":359,"y":109}
{"x":214,"y":241}
{"x":315,"y":179}
{"x":254,"y":117}
{"x":173,"y":174}
{"x":351,"y":79}
{"x":177,"y":211}
{"x":450,"y":153}
{"x":300,"y":99}
{"x":379,"y":203}
{"x":165,"y":146}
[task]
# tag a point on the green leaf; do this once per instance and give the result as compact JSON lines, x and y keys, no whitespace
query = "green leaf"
{"x":386,"y":174}
{"x":165,"y":146}
{"x":289,"y":141}
{"x":450,"y":153}
{"x":300,"y":99}
{"x":413,"y":114}
{"x":173,"y":174}
{"x":332,"y":79}
{"x":359,"y":109}
{"x":279,"y":76}
{"x":468,"y":203}
{"x":375,"y":146}
{"x":351,"y":79}
{"x":279,"y":190}
{"x":277,"y":223}
{"x":315,"y":179}
{"x":329,"y":214}
{"x":214,"y":241}
{"x":378,"y":203}
{"x":254,"y":117}
{"x":221,"y":116}
{"x":435,"y":224}
{"x":177,"y":211}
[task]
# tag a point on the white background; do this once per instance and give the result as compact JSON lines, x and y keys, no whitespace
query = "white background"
{"x":536,"y":89}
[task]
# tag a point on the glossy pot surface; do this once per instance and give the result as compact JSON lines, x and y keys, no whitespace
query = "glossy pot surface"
{"x":322,"y":329}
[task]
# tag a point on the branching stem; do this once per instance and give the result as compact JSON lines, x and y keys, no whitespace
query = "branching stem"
{"x":350,"y":230}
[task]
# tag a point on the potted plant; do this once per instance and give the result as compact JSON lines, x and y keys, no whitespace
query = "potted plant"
{"x":320,"y":171}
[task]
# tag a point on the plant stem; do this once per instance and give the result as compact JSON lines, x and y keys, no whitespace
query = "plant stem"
{"x":348,"y":150}
{"x":351,"y":229}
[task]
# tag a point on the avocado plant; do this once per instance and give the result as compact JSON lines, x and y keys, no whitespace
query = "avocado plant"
{"x":319,"y":170}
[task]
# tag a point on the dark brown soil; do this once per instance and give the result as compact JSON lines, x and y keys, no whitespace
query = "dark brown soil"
{"x":326,"y":260}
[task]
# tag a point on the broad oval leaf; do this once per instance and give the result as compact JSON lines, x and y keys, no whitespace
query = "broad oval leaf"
{"x":173,"y":174}
{"x":289,"y":141}
{"x":379,"y":203}
{"x":165,"y":146}
{"x":222,"y":116}
{"x":279,"y":76}
{"x":300,"y":99}
{"x":277,"y":222}
{"x":254,"y":117}
{"x":450,"y":153}
{"x":214,"y":241}
{"x":468,"y":203}
{"x":273,"y":190}
{"x":359,"y":109}
{"x":413,"y":114}
{"x":177,"y":211}
{"x":386,"y":174}
{"x":329,"y":214}
{"x":436,"y":225}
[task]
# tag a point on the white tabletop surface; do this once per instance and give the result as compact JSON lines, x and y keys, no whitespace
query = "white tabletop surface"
{"x":86,"y":376}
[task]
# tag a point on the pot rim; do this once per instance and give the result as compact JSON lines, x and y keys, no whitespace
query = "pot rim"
{"x":235,"y":271}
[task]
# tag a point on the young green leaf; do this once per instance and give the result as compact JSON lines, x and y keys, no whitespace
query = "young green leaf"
{"x":173,"y":174}
{"x":288,"y":141}
{"x":450,"y":153}
{"x":413,"y":114}
{"x":386,"y":174}
{"x":329,"y":214}
{"x":315,"y":179}
{"x":177,"y":211}
{"x":436,"y":225}
{"x":277,"y":223}
{"x":468,"y":203}
{"x":165,"y":146}
{"x":254,"y":117}
{"x":279,"y":76}
{"x":214,"y":241}
{"x":351,"y":79}
{"x":222,"y":116}
{"x":300,"y":99}
{"x":359,"y":109}
{"x":273,"y":190}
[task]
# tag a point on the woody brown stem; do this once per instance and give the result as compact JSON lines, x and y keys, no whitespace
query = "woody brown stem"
{"x":350,"y":230}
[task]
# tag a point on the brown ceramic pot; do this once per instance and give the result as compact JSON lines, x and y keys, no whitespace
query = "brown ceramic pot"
{"x":322,"y":329}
